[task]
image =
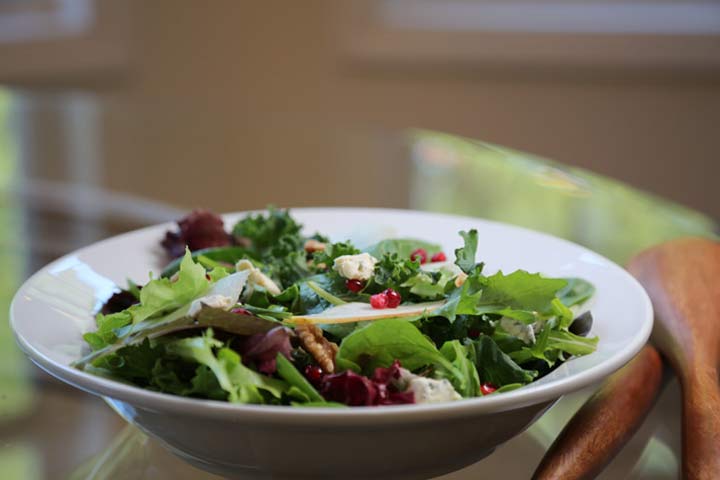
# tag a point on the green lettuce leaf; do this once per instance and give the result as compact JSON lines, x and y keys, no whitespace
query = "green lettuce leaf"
{"x":242,"y":384}
{"x":161,"y":295}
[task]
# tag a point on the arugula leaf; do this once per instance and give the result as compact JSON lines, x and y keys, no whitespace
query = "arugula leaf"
{"x":467,"y":383}
{"x":576,"y":291}
{"x":553,"y":343}
{"x":294,"y":378}
{"x":521,"y":290}
{"x":463,"y":300}
{"x":563,"y":313}
{"x":496,"y":367}
{"x":570,"y":343}
{"x":402,"y":247}
{"x":465,"y":256}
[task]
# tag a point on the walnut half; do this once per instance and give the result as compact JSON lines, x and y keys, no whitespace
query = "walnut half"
{"x":322,"y":350}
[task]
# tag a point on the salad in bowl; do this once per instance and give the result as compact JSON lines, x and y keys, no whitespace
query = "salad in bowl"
{"x":257,"y":312}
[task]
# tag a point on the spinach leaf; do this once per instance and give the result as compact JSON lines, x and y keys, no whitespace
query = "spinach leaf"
{"x":383,"y":341}
{"x":496,"y":367}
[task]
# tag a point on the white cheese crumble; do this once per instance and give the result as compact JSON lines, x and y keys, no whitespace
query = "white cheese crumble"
{"x":257,"y":278}
{"x":428,"y":390}
{"x":355,"y":267}
{"x":518,"y":329}
{"x":212,"y":301}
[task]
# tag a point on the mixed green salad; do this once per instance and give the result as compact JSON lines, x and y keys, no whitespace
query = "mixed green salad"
{"x":265,"y":314}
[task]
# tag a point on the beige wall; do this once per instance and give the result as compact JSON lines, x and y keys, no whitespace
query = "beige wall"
{"x":260,"y":94}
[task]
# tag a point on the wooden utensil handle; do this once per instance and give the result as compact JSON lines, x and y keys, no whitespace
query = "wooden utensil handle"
{"x":606,"y":421}
{"x":701,"y":424}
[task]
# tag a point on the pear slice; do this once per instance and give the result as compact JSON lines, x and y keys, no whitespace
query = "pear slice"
{"x":361,"y":312}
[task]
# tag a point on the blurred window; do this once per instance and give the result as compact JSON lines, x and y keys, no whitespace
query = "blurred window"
{"x":603,"y":17}
{"x":671,"y":36}
{"x":22,"y":20}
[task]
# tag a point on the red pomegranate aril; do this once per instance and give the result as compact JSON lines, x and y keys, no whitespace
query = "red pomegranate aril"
{"x":379,"y":300}
{"x":419,"y":254}
{"x":314,"y":374}
{"x":240,"y":311}
{"x":487,"y":388}
{"x":354,"y":285}
{"x":393,"y":298}
{"x":438,"y":257}
{"x":473,"y":333}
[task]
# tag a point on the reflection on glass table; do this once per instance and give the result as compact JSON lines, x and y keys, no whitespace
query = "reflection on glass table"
{"x":49,"y":430}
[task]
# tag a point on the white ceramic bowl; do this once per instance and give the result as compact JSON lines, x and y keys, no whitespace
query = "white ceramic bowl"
{"x":54,"y":308}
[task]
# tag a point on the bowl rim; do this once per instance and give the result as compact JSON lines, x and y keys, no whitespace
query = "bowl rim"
{"x":286,"y":415}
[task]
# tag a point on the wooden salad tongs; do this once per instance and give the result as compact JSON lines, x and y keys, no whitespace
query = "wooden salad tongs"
{"x":682,"y":278}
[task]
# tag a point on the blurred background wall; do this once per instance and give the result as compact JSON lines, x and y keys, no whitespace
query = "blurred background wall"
{"x":236,"y":104}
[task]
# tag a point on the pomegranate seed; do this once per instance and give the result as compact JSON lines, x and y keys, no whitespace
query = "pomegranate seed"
{"x":419,"y":254}
{"x":314,"y":374}
{"x":379,"y":300}
{"x":438,"y":257}
{"x":473,"y":333}
{"x":393,"y":298}
{"x":354,"y":285}
{"x":240,"y":311}
{"x":487,"y":388}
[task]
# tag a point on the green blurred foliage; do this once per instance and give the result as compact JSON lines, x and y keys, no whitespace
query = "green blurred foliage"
{"x":457,"y":175}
